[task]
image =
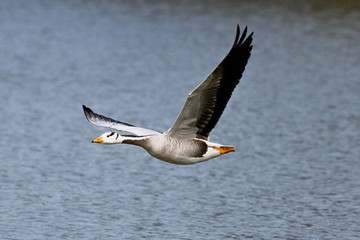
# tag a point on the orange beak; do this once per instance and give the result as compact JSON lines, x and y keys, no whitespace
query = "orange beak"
{"x":98,"y":140}
{"x":224,"y":150}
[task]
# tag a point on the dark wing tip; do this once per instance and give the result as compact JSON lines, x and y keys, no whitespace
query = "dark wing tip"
{"x":91,"y":116}
{"x":86,"y":109}
{"x":94,"y":117}
{"x":241,"y":41}
{"x":237,"y":35}
{"x":87,"y":112}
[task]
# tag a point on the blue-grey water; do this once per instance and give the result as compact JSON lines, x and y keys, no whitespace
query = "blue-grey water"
{"x":294,"y":118}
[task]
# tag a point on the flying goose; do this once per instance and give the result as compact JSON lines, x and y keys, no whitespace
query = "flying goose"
{"x":187,"y":141}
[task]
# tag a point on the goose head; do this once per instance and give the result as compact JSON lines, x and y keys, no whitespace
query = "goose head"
{"x":109,"y":138}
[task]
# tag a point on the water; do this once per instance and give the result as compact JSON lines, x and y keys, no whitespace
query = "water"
{"x":294,"y":119}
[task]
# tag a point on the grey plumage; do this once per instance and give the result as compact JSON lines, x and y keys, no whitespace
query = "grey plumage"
{"x":186,"y":141}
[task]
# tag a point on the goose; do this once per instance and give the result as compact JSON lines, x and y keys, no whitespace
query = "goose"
{"x":187,"y":141}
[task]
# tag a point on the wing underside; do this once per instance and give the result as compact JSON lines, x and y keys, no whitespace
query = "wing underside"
{"x":206,"y":103}
{"x":103,"y":121}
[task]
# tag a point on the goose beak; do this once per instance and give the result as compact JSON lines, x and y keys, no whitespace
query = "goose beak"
{"x":98,"y":140}
{"x":224,"y":149}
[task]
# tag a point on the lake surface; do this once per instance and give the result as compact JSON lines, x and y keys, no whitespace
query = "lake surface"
{"x":294,"y":118}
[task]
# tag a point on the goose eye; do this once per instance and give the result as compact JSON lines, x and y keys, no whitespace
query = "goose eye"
{"x":110,"y":134}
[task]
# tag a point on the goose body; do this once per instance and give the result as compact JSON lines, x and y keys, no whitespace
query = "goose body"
{"x":186,"y":142}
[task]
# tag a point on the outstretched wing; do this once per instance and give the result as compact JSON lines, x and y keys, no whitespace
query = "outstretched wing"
{"x":103,"y":121}
{"x":206,"y":103}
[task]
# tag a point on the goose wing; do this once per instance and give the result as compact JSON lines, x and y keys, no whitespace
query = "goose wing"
{"x":206,"y":103}
{"x":103,"y":121}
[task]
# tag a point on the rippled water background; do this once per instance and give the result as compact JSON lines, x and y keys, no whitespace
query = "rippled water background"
{"x":295,"y":119}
